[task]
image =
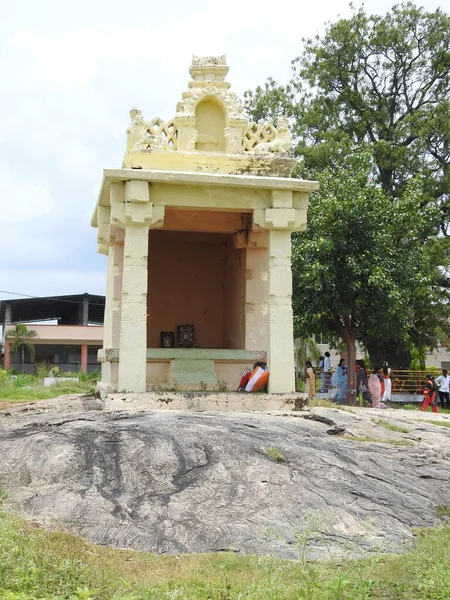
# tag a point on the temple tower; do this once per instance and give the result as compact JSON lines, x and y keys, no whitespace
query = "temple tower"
{"x":197,"y":229}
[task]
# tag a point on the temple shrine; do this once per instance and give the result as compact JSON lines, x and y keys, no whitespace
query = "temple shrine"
{"x":197,"y":229}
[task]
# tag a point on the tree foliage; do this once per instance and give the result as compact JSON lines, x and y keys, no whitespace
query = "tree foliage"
{"x":21,"y":336}
{"x":379,"y":82}
{"x":366,"y":268}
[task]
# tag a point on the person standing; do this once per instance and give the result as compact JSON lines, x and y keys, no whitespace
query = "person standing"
{"x":326,"y":372}
{"x":443,"y":382}
{"x":429,"y":396}
{"x":375,"y":389}
{"x":310,"y":380}
{"x":339,"y":381}
{"x":322,"y":376}
{"x":362,"y":384}
{"x":387,"y":381}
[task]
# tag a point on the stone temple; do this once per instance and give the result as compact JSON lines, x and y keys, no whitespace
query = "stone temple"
{"x":197,"y":229}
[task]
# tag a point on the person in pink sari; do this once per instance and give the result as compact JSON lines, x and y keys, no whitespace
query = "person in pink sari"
{"x":375,"y":389}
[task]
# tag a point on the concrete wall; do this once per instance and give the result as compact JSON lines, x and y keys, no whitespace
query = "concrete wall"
{"x":191,"y":277}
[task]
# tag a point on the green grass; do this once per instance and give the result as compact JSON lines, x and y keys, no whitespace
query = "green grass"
{"x":37,"y":564}
{"x":438,"y":423}
{"x":391,"y":426}
{"x":275,"y":454}
{"x":27,"y":388}
{"x":321,"y":403}
{"x":443,"y":511}
{"x":368,"y":438}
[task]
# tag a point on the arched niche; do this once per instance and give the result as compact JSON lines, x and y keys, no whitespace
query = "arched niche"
{"x":210,"y":124}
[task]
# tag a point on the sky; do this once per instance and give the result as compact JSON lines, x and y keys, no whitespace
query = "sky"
{"x":69,"y":74}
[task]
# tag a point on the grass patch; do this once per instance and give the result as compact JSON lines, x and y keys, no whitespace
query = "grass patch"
{"x":275,"y":455}
{"x":391,"y":426}
{"x":368,"y":438}
{"x":28,"y":388}
{"x":57,"y":566}
{"x":438,"y":423}
{"x":443,"y":511}
{"x":321,"y":403}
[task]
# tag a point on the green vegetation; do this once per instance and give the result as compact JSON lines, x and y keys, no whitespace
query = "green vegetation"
{"x":368,"y":438}
{"x":443,"y":511}
{"x":438,"y":423}
{"x":37,"y":564}
{"x":26,"y":388}
{"x":322,"y":403}
{"x":20,"y":337}
{"x":369,"y":101}
{"x":391,"y":426}
{"x":275,"y":454}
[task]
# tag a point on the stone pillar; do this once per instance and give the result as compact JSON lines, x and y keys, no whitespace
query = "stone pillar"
{"x":280,"y":221}
{"x":8,"y":314}
{"x":7,"y":355}
{"x":131,"y":207}
{"x":256,"y":287}
{"x":84,"y":358}
{"x":111,"y":328}
{"x":85,"y":313}
{"x":133,"y":323}
{"x":280,"y":355}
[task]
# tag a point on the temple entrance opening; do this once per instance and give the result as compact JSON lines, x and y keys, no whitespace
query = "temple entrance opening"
{"x":198,"y":278}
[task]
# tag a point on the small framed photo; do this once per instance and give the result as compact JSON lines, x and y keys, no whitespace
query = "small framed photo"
{"x":186,"y":336}
{"x":167,"y":339}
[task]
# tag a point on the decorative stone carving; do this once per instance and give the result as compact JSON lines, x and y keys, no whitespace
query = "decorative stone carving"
{"x":206,"y":61}
{"x":180,"y":133}
{"x":282,"y":142}
{"x":139,"y":137}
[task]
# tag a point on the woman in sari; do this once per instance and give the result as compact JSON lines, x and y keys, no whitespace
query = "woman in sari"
{"x":310,"y":380}
{"x":339,"y":381}
{"x":375,"y":389}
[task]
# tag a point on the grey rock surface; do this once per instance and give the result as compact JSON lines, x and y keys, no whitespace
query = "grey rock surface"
{"x":184,"y":482}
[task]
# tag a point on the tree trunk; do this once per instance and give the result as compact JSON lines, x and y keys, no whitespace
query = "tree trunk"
{"x":396,"y":357}
{"x":23,"y":359}
{"x":350,"y":345}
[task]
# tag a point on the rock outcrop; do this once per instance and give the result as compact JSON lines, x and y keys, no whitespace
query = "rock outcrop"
{"x":182,"y":482}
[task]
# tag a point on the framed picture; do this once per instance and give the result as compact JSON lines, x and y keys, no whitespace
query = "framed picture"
{"x":167,"y":339}
{"x":186,"y":336}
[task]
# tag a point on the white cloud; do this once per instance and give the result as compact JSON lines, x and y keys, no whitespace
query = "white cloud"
{"x":23,"y":201}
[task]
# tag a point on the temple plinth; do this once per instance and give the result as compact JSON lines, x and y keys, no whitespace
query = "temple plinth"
{"x":197,"y":229}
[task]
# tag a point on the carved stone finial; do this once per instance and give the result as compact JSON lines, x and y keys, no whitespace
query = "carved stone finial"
{"x":138,"y":136}
{"x":209,"y":68}
{"x":282,"y":143}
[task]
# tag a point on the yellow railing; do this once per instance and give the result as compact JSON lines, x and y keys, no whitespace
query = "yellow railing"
{"x":403,"y":381}
{"x":410,"y":382}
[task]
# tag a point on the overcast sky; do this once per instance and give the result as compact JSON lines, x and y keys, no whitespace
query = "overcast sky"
{"x":70,"y":72}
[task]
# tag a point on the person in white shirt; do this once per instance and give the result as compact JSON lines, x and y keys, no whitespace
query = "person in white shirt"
{"x":443,"y":381}
{"x":326,"y":372}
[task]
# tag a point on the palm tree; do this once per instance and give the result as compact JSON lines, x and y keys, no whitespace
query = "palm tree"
{"x":21,"y":335}
{"x":306,"y":348}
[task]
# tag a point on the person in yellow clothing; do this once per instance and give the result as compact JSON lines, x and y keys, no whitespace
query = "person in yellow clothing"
{"x":310,"y":380}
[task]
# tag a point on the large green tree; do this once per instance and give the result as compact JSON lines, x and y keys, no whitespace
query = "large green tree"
{"x":381,"y":85}
{"x":367,"y":269}
{"x":381,"y":82}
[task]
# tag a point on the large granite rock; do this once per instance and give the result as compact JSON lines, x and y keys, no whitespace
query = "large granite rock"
{"x":175,"y":482}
